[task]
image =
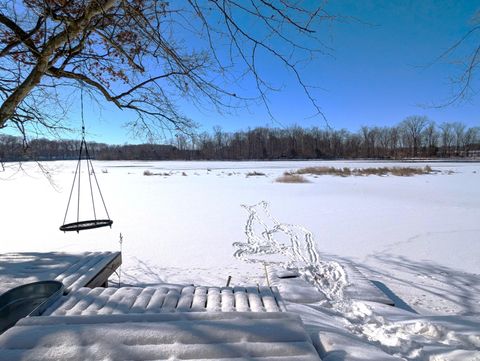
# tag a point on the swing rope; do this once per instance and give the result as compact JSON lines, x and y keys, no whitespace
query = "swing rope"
{"x":95,"y":223}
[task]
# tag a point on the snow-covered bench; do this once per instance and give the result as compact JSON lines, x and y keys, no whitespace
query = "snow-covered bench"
{"x":167,"y":298}
{"x":90,"y":269}
{"x":262,"y":336}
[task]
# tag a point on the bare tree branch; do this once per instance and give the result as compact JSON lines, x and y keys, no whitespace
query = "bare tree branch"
{"x":143,"y":55}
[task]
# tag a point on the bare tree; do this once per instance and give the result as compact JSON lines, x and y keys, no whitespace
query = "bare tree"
{"x":448,"y":137}
{"x":413,"y":127}
{"x":430,"y":135}
{"x":459,"y":131}
{"x":394,"y":141}
{"x":142,"y":55}
{"x":370,"y":140}
{"x":472,"y":136}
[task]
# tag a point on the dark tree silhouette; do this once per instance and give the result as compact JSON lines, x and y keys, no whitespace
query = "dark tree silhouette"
{"x":397,"y":142}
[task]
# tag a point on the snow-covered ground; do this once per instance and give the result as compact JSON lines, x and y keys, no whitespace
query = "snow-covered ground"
{"x":418,"y":237}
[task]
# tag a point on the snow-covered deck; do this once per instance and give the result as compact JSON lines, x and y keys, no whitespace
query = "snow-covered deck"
{"x":90,"y":269}
{"x":167,"y":298}
{"x":222,"y":336}
{"x":231,"y":323}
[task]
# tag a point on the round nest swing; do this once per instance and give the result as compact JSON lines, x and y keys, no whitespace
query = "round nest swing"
{"x":92,"y":223}
{"x":87,"y":224}
{"x":84,"y":225}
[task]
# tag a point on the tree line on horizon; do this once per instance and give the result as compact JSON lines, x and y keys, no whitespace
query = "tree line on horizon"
{"x":414,"y":137}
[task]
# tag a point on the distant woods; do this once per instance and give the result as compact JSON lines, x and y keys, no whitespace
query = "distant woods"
{"x":415,"y":137}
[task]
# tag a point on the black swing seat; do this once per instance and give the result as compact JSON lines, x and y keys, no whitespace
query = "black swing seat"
{"x":83,"y":225}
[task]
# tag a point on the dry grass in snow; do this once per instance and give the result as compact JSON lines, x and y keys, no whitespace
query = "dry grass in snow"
{"x":380,"y":171}
{"x":292,"y":178}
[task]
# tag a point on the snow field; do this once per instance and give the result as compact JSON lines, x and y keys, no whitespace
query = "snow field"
{"x":419,"y":236}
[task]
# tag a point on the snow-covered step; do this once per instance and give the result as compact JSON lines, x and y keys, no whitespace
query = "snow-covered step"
{"x":90,"y":269}
{"x":168,"y":298}
{"x":293,"y":288}
{"x":333,"y":340}
{"x":252,"y":336}
{"x":334,"y":346}
{"x":360,"y":288}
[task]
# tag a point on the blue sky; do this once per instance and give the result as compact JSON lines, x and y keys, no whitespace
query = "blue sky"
{"x":378,"y":73}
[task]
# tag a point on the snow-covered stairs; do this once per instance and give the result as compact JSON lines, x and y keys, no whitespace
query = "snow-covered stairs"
{"x":168,"y":298}
{"x":221,"y":336}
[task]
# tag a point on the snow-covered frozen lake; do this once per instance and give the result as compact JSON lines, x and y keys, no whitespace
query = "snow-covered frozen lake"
{"x":419,"y":236}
